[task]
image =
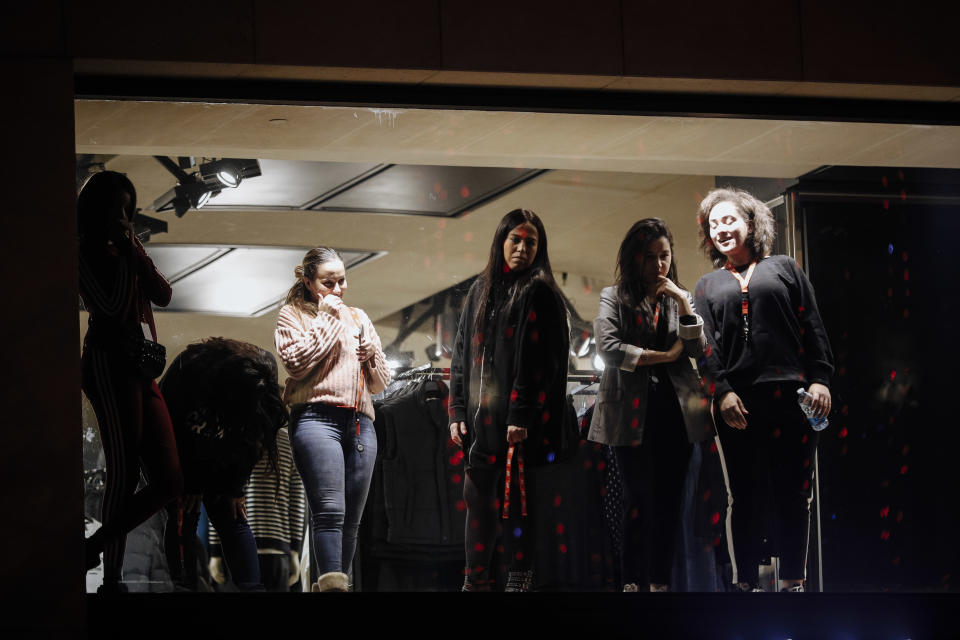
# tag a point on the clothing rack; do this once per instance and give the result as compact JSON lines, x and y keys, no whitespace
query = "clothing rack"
{"x":426,"y":371}
{"x":583,"y":376}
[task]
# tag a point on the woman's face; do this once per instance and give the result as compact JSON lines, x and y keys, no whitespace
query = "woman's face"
{"x":331,"y":278}
{"x":520,"y":247}
{"x":729,"y":231}
{"x":657,"y":257}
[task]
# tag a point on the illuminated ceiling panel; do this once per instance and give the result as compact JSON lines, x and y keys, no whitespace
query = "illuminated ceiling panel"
{"x":232,"y":281}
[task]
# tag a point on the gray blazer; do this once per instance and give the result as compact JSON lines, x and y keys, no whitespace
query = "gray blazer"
{"x":618,"y":418}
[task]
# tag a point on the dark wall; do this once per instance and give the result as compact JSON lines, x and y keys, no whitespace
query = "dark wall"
{"x":811,"y":40}
{"x":40,"y":464}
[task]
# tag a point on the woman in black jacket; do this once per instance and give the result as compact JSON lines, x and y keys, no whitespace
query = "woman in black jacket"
{"x":650,"y":406}
{"x":507,"y":393}
{"x":767,"y":340}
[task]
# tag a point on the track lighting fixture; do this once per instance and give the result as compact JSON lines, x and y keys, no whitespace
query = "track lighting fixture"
{"x":228,"y":172}
{"x":194,"y":189}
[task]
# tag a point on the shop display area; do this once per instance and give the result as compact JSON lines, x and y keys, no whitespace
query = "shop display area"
{"x":411,"y":197}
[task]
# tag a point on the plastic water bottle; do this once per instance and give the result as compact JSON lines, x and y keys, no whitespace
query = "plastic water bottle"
{"x":804,"y":398}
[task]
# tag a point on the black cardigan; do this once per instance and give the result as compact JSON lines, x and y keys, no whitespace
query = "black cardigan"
{"x":523,"y":366}
{"x":787,"y":340}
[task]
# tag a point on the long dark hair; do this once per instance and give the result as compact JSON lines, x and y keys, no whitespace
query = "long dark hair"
{"x":298,"y":295}
{"x":99,"y":203}
{"x":757,"y":215}
{"x":238,"y":382}
{"x":632,"y":257}
{"x":505,"y":287}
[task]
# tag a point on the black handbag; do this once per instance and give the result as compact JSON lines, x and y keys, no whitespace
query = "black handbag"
{"x":148,"y":357}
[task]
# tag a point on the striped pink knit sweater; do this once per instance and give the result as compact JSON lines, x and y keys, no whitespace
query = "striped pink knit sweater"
{"x":319,"y":354}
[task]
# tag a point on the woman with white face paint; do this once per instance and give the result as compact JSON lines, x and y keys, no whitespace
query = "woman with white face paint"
{"x":766,"y":341}
{"x":335,"y":362}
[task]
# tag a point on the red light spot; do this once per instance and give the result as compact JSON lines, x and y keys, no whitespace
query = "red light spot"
{"x":713,"y":447}
{"x":903,"y":470}
{"x":456,"y":458}
{"x":716,"y":541}
{"x":634,"y":513}
{"x":883,"y":180}
{"x":487,"y":420}
{"x":491,"y":459}
{"x":806,"y":463}
{"x":804,"y":439}
{"x":557,"y":500}
{"x":639,"y":319}
{"x":518,"y":555}
{"x":906,"y":275}
{"x":601,"y":466}
{"x":545,"y":418}
{"x":588,"y":464}
{"x":843,"y":432}
{"x":885,"y":512}
{"x":532,"y":316}
{"x":800,"y":309}
{"x":456,"y":478}
{"x":906,"y":449}
{"x":560,"y":529}
{"x":461,"y":505}
{"x":513,"y":395}
{"x":534,"y":336}
{"x":541,"y":397}
{"x":464,"y":192}
{"x":886,"y":204}
{"x":563,"y":548}
{"x":706,"y":495}
{"x":634,"y":423}
{"x":506,"y":268}
{"x":893,"y":375}
{"x":903,"y":194}
{"x":806,"y":485}
{"x":903,"y":256}
{"x":708,"y":351}
{"x":635,"y":403}
{"x":479,"y":547}
{"x":509,"y":332}
{"x":845,"y":410}
{"x":713,"y":388}
{"x":715,"y":518}
{"x":884,"y":535}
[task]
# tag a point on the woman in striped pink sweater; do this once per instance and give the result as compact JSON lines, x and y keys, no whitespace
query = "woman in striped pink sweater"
{"x":335,"y":361}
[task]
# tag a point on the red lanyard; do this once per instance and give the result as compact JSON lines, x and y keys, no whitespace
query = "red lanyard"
{"x":506,"y":485}
{"x":356,"y":321}
{"x":656,"y":314}
{"x":744,"y":297}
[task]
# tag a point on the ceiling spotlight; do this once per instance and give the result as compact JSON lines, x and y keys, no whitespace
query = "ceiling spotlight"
{"x":228,"y":172}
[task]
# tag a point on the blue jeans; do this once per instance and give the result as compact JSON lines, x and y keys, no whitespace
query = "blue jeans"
{"x":336,"y":464}
{"x":236,"y":539}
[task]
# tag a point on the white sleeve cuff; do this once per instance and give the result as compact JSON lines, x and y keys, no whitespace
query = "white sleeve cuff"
{"x":631,"y":357}
{"x":690,"y":331}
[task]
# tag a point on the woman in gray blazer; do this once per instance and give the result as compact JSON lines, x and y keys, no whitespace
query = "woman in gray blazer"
{"x":651,"y":404}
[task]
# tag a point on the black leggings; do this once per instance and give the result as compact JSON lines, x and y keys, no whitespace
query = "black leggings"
{"x":770,"y":465}
{"x":653,"y":477}
{"x":484,"y":510}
